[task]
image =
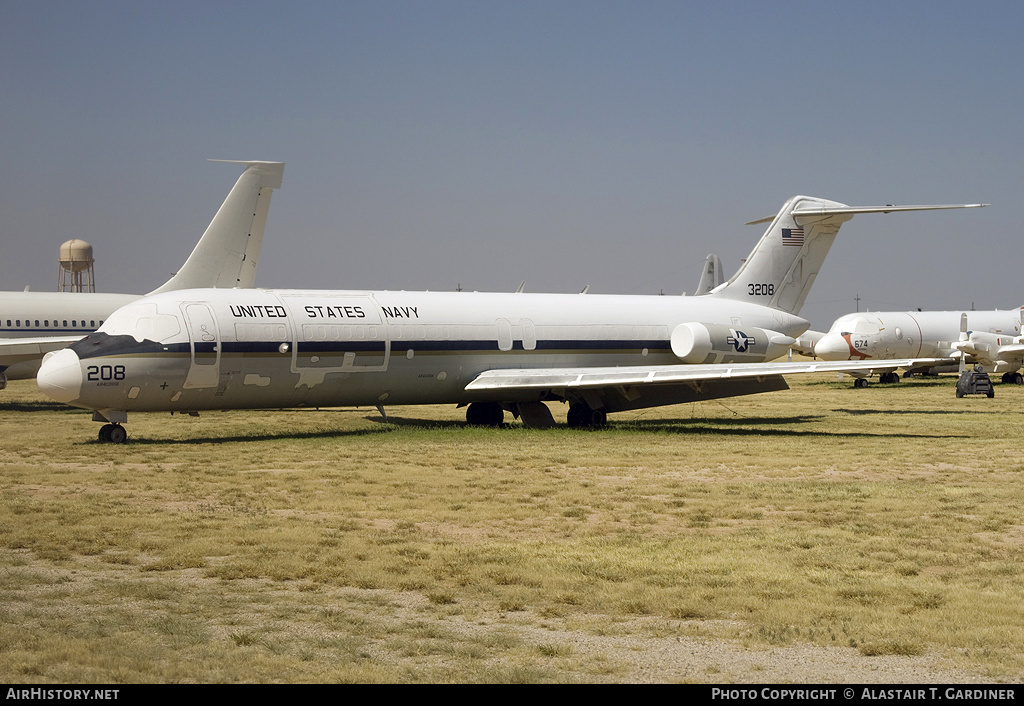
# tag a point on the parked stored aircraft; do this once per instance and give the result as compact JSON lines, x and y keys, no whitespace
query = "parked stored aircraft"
{"x":710,"y":275}
{"x":239,"y":349}
{"x":34,"y":323}
{"x":994,"y":342}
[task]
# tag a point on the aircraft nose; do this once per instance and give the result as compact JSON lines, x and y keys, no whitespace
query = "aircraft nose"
{"x":60,"y":376}
{"x":832,"y":346}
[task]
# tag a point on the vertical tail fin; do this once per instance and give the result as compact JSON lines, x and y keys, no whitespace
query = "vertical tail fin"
{"x":782,"y":267}
{"x":228,"y":253}
{"x":784,"y":263}
{"x":710,"y":276}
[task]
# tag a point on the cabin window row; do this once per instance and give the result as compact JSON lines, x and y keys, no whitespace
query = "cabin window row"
{"x":527,"y":331}
{"x":45,"y":323}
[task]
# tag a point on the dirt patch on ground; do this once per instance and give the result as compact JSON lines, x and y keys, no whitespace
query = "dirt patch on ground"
{"x":636,"y":654}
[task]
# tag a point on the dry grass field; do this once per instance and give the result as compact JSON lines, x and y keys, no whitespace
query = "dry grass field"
{"x":821,"y":534}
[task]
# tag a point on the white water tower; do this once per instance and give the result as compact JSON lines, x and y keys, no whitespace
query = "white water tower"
{"x":76,"y":267}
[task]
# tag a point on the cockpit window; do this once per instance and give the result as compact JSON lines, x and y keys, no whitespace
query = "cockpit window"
{"x":866,"y":326}
{"x":142,"y":321}
{"x":98,"y":344}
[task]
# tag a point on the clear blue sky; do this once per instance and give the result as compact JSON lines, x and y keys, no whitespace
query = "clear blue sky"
{"x":563,"y":143}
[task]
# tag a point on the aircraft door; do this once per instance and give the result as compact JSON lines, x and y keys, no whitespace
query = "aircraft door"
{"x":204,"y":345}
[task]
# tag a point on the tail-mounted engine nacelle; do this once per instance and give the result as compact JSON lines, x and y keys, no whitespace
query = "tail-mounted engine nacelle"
{"x":714,"y":343}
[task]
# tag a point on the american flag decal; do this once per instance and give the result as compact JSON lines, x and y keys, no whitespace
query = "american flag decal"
{"x":792,"y":236}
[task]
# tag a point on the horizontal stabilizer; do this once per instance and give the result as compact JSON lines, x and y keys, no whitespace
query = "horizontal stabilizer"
{"x":854,"y":210}
{"x":272,"y":172}
{"x":781,"y":269}
{"x":889,"y":208}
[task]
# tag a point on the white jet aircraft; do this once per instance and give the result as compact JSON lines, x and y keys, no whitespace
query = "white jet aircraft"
{"x":710,"y":276}
{"x":995,"y":342}
{"x":241,"y":349}
{"x":34,"y":323}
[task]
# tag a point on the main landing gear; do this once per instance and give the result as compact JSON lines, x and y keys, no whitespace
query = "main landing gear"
{"x":1013,"y":379}
{"x":485,"y":414}
{"x":582,"y":415}
{"x":492,"y":414}
{"x":112,"y":434}
{"x":883,"y":379}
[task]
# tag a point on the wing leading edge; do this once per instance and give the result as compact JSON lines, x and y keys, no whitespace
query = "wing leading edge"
{"x":27,"y":353}
{"x":634,"y":387}
{"x":18,"y":350}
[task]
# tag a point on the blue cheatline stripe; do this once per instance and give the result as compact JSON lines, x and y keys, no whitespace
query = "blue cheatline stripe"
{"x":543,"y":345}
{"x":126,"y":345}
{"x":338,"y":346}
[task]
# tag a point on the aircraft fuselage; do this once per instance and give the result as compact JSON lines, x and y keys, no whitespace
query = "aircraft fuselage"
{"x":223,"y":349}
{"x":912,"y":334}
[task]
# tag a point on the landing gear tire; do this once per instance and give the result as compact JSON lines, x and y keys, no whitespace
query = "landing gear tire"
{"x":889,"y":378}
{"x":860,"y":382}
{"x":112,"y":434}
{"x":1013,"y":379}
{"x":575,"y":417}
{"x":581,"y":415}
{"x":485,"y":414}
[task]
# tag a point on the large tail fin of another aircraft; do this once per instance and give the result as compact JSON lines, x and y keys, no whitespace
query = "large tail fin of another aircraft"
{"x":710,"y":276}
{"x":228,"y":253}
{"x":784,"y":263}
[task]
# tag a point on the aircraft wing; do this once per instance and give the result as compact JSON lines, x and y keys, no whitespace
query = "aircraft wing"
{"x":19,"y":350}
{"x":20,"y":357}
{"x":1011,"y":352}
{"x":1011,"y":355}
{"x":632,"y":387}
{"x":989,"y":355}
{"x":1000,"y":352}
